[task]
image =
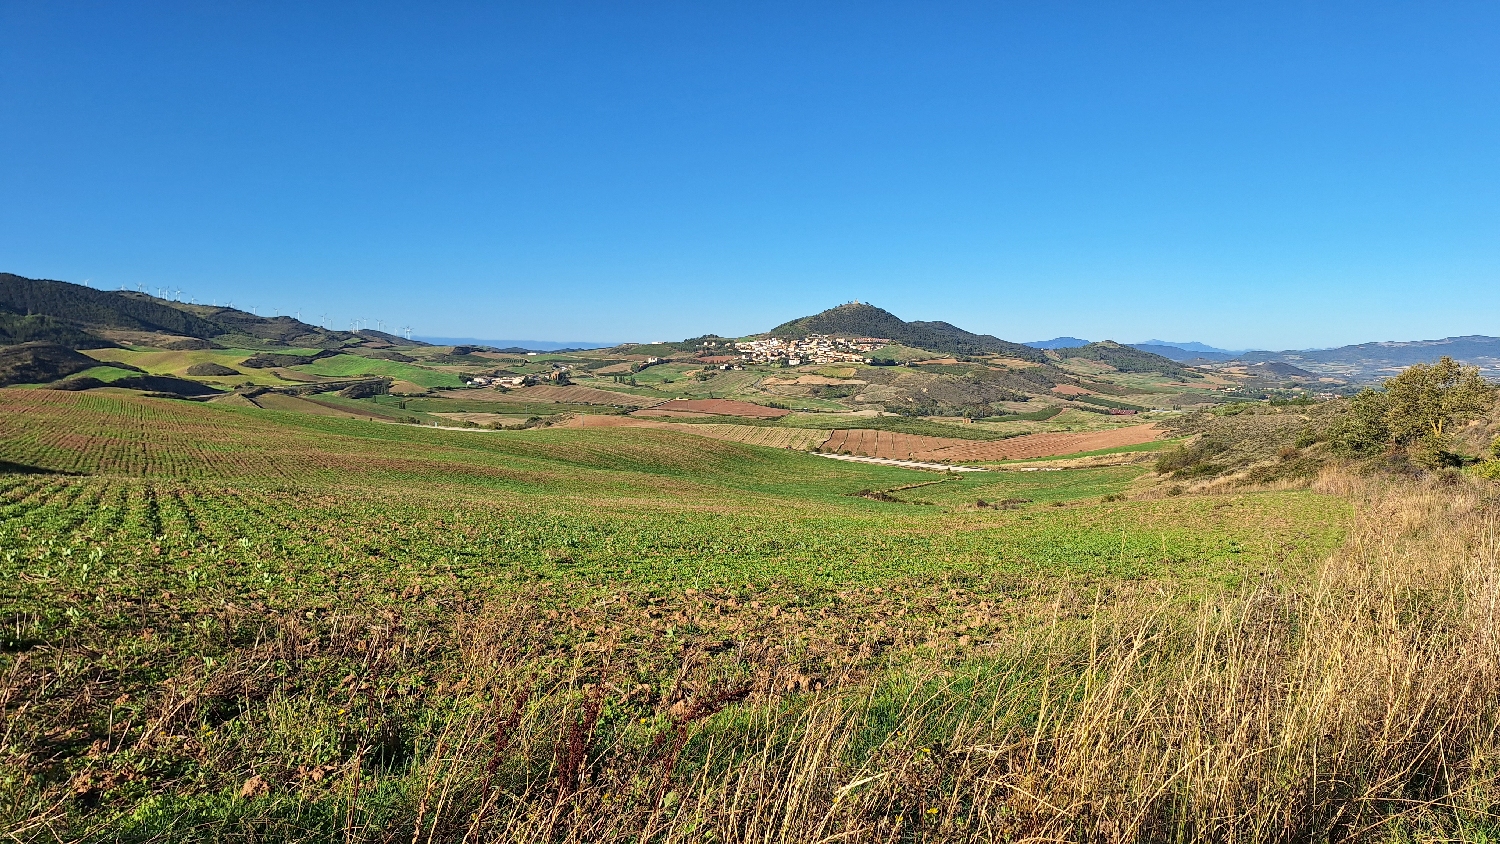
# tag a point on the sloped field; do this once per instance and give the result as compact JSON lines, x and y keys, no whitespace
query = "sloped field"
{"x":714,"y":407}
{"x":796,"y":439}
{"x":943,"y":449}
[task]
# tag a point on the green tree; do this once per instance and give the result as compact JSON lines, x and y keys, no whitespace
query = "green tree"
{"x":1425,"y":400}
{"x":1363,"y":428}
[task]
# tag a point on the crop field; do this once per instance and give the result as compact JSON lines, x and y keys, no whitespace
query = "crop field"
{"x":797,"y":439}
{"x":230,"y":623}
{"x":715,"y":407}
{"x":901,"y":446}
{"x":343,"y":366}
{"x":176,"y":363}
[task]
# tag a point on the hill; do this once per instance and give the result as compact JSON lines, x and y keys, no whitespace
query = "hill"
{"x":78,"y":316}
{"x":857,"y":319}
{"x":1181,"y":355}
{"x":18,"y":328}
{"x":1128,"y":359}
{"x":38,"y":363}
{"x":1057,"y":343}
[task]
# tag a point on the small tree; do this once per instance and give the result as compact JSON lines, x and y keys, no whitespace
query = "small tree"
{"x":1363,"y":429}
{"x":1424,"y":401}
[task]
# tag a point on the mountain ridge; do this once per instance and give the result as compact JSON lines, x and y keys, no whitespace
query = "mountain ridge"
{"x":78,"y":316}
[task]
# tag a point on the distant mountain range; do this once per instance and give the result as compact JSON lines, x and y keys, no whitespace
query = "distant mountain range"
{"x":1058,"y":343}
{"x":1370,"y":361}
{"x":1193,"y":346}
{"x":514,"y":346}
{"x":1179,"y":352}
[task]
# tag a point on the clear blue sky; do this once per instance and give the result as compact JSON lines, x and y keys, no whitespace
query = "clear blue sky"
{"x":1249,"y":175}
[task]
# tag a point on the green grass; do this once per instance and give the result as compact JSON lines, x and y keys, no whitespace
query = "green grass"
{"x":107,"y":374}
{"x":344,"y":366}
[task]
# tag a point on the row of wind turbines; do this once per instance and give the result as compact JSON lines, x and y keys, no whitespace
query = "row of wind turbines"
{"x":355,"y":324}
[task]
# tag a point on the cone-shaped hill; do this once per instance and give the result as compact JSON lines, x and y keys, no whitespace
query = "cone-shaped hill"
{"x":857,"y":319}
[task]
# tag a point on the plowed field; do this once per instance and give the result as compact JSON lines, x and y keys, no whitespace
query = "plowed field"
{"x":913,"y":447}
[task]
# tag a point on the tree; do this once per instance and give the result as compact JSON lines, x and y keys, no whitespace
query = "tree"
{"x":1363,"y":428}
{"x":1424,"y":400}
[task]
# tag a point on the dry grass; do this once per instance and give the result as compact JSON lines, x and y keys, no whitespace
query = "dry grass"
{"x":1360,"y":706}
{"x":1359,"y":703}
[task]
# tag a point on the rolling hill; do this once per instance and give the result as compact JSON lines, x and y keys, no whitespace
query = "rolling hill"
{"x":79,"y":317}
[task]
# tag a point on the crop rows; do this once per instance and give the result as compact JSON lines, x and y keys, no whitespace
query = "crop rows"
{"x":890,"y":444}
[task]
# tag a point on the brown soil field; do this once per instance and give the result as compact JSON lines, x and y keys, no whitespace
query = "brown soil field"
{"x":713,"y":407}
{"x":554,"y":395}
{"x":1070,"y":390}
{"x":940,"y":449}
{"x":797,"y":439}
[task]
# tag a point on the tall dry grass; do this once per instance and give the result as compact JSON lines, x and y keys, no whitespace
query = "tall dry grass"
{"x":1358,"y":703}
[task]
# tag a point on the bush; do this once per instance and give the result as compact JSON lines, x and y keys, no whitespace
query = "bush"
{"x":1190,"y":461}
{"x":1362,"y":429}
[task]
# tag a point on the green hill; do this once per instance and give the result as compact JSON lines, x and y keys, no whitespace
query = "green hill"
{"x":39,"y":363}
{"x":1128,"y":359}
{"x":857,"y":319}
{"x":70,"y":314}
{"x":18,"y":328}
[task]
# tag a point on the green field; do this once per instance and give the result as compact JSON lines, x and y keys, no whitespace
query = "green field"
{"x":221,"y":593}
{"x":344,"y":366}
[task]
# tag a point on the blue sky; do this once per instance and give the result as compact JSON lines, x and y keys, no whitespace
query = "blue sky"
{"x":1251,"y":175}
